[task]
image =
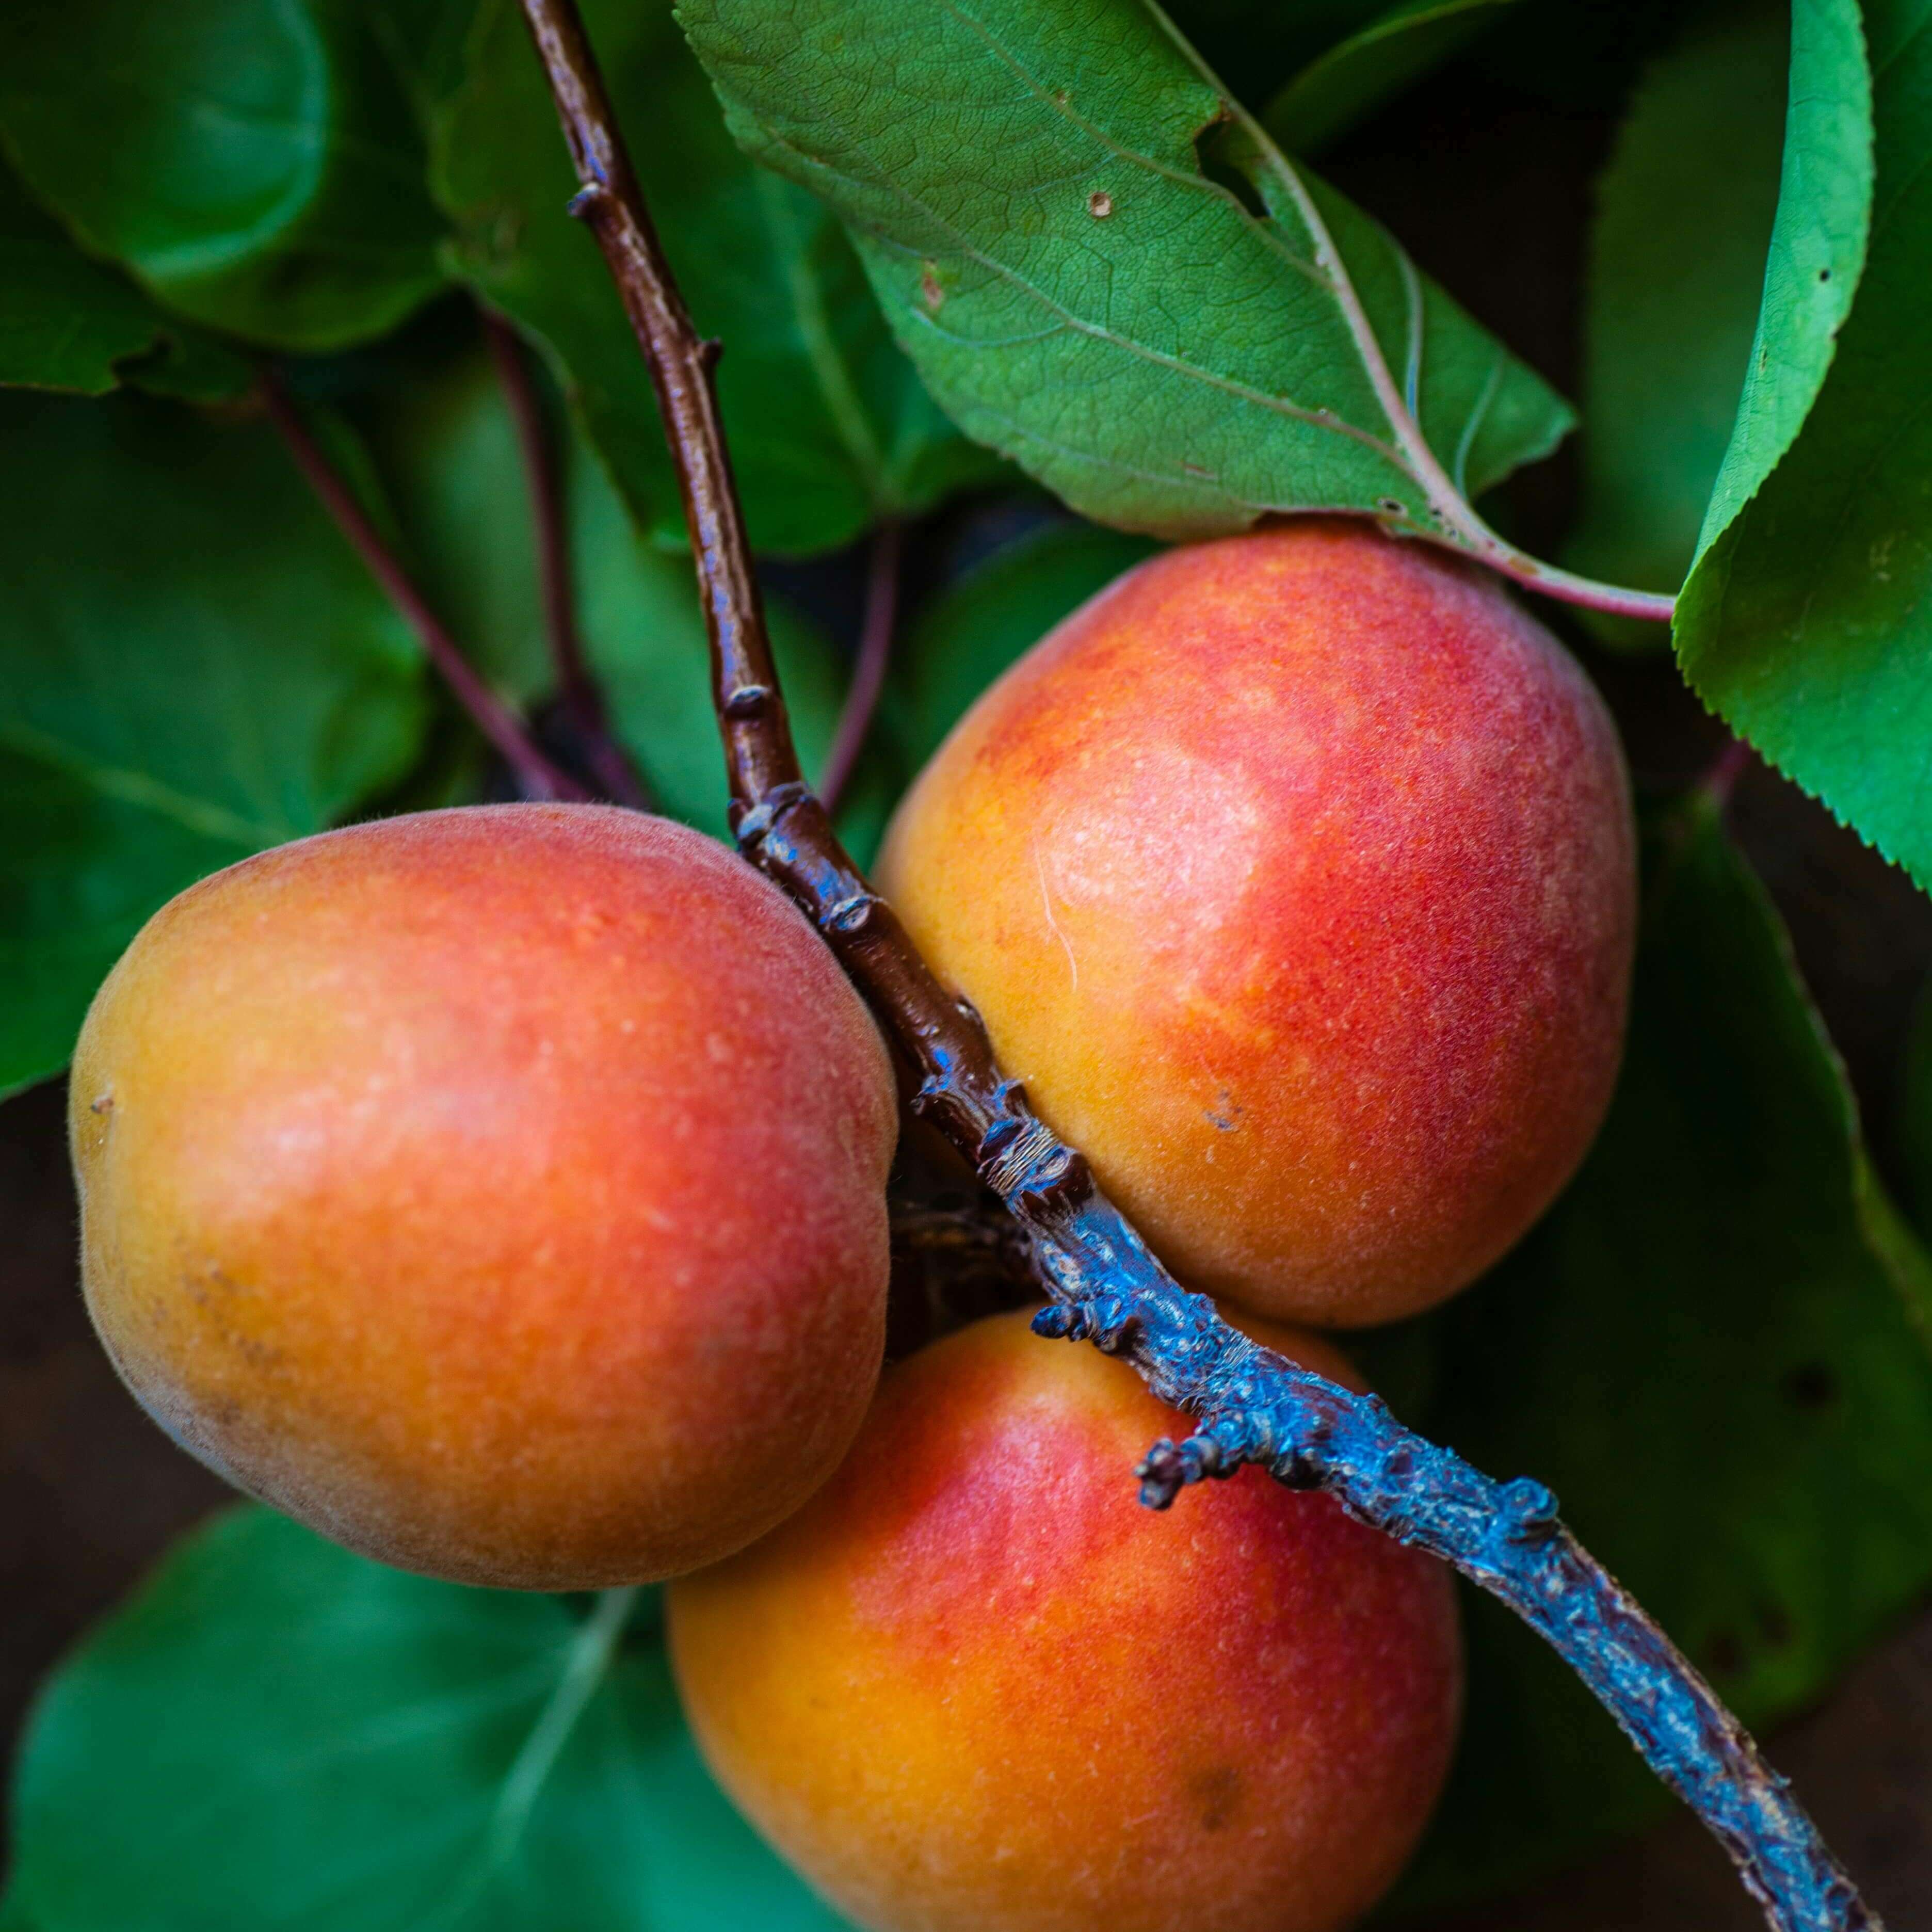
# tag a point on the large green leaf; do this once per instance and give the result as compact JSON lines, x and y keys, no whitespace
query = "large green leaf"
{"x":830,"y":427}
{"x":1807,"y":620}
{"x":1128,"y":289}
{"x":275,"y":1732}
{"x":1684,"y":212}
{"x":259,"y":168}
{"x":1713,"y":1348}
{"x":67,"y":322}
{"x":447,"y":452}
{"x":193,"y":666}
{"x":1373,"y":65}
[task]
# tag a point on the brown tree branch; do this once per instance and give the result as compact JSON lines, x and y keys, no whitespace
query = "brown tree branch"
{"x":868,"y":667}
{"x":577,"y":687}
{"x":536,"y":775}
{"x":1252,"y":1405}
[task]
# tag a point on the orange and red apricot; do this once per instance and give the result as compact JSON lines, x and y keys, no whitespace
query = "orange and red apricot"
{"x":973,"y":1686}
{"x":1294,"y":874}
{"x":500,"y":1191}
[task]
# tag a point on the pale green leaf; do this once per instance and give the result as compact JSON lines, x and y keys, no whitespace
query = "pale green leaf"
{"x":274,"y":1732}
{"x":1807,"y":620}
{"x":1103,"y":269}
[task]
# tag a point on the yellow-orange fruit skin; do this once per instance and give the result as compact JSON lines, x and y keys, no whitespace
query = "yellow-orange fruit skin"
{"x":499,"y":1191}
{"x":1294,"y":876}
{"x":973,"y":1686}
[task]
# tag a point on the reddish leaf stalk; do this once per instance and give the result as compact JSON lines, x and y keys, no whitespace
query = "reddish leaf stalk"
{"x":868,"y":668}
{"x":1251,"y":1406}
{"x":576,"y":686}
{"x":536,"y":776}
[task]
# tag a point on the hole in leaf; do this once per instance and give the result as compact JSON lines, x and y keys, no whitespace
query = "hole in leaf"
{"x":1226,"y":155}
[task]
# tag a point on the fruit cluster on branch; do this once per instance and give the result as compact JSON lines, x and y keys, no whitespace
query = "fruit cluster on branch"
{"x":1254,"y":1406}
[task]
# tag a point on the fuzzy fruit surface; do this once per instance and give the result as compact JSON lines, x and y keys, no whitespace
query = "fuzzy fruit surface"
{"x":1294,"y":876}
{"x":499,"y":1191}
{"x":973,"y":1686}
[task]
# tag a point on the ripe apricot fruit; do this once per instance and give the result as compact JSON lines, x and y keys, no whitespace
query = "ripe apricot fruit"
{"x":499,"y":1191}
{"x":973,"y":1686}
{"x":1294,"y":874}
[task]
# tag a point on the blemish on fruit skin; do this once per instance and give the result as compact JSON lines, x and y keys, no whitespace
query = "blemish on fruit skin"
{"x":103,"y":1105}
{"x":1099,"y":204}
{"x":1218,"y":1792}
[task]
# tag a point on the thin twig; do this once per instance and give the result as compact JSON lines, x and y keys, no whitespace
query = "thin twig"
{"x":868,"y":667}
{"x":1252,"y":1405}
{"x":536,"y":776}
{"x":577,"y":687}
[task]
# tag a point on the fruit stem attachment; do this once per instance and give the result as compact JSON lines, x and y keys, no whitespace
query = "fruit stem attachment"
{"x":869,"y":667}
{"x":577,"y":691}
{"x":1251,"y":1406}
{"x":537,"y":777}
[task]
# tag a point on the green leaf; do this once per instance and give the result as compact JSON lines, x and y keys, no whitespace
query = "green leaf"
{"x":1684,"y":223}
{"x":273,"y":1731}
{"x":1807,"y":620}
{"x":1129,"y":291}
{"x":991,"y":617}
{"x":1818,"y":245}
{"x":1372,"y":67}
{"x":65,"y":323}
{"x":447,"y":452}
{"x":1713,"y":1348}
{"x":193,"y":666}
{"x":830,"y":428}
{"x":259,"y":169}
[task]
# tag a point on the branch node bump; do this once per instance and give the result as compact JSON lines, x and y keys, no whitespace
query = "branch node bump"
{"x":1532,"y":1508}
{"x":753,"y":824}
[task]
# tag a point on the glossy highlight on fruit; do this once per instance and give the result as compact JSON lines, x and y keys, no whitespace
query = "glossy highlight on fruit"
{"x":973,"y":1686}
{"x":1294,"y":876}
{"x":499,"y":1191}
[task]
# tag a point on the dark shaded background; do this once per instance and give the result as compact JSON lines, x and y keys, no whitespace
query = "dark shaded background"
{"x":1486,"y":178}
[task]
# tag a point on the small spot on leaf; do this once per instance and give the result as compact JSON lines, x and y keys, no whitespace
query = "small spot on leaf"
{"x":929,"y":287}
{"x":1099,"y":204}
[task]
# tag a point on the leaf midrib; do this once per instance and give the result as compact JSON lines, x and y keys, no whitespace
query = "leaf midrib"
{"x":145,"y":792}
